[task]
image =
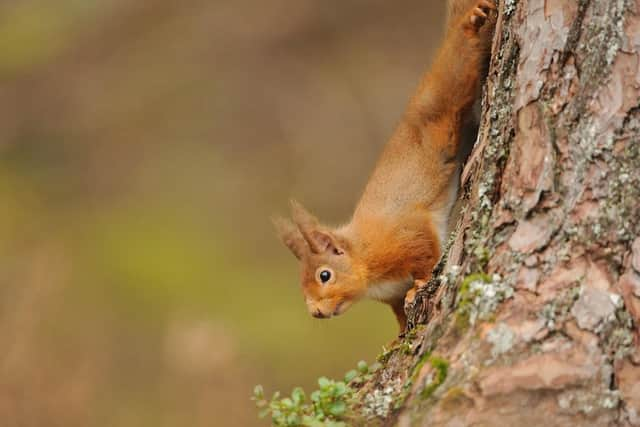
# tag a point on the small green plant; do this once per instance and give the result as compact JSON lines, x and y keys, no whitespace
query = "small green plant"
{"x":326,"y":407}
{"x":362,"y":373}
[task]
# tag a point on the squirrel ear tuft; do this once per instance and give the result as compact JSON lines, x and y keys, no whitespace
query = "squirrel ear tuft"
{"x":319,"y":239}
{"x":307,"y":224}
{"x":290,"y":235}
{"x":301,"y":216}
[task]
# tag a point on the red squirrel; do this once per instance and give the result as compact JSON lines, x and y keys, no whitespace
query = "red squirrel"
{"x":397,"y":232}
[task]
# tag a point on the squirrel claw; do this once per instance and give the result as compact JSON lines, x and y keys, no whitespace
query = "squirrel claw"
{"x":480,"y":13}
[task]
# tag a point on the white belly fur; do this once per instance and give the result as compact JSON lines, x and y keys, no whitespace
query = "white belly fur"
{"x":388,"y":291}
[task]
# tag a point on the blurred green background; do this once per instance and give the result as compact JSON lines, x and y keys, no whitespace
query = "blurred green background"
{"x":143,"y":148}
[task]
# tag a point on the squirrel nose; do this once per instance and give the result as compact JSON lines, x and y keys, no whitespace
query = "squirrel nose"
{"x":318,"y":314}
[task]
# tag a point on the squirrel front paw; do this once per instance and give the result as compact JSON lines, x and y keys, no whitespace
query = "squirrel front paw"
{"x":477,"y":17}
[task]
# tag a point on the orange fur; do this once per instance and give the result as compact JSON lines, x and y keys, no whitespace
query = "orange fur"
{"x":396,"y":234}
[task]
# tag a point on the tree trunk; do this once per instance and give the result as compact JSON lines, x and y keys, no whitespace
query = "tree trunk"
{"x":533,"y":315}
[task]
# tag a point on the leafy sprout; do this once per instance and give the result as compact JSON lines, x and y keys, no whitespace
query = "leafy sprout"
{"x":328,"y":406}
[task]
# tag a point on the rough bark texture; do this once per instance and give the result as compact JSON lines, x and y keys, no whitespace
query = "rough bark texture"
{"x":533,"y":316}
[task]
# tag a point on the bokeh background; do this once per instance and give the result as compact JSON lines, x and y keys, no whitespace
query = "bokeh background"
{"x":143,"y":147}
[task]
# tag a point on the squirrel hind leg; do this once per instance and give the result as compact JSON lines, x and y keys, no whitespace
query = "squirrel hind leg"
{"x":401,"y":309}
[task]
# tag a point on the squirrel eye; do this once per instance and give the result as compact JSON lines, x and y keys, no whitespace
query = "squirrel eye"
{"x":325,"y":276}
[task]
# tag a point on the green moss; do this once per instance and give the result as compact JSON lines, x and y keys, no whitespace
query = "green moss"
{"x":406,"y":348}
{"x":465,"y":300}
{"x":440,"y":369}
{"x":482,"y":254}
{"x":402,"y":397}
{"x":386,"y":354}
{"x":462,"y":321}
{"x":413,"y":333}
{"x":416,"y":369}
{"x":466,"y":283}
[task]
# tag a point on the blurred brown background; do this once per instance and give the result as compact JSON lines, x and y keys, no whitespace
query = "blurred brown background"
{"x":143,"y":148}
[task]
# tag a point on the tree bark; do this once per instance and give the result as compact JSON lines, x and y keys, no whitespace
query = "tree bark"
{"x":533,"y":315}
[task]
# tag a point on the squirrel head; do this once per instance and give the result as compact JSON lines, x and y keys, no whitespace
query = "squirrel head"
{"x":330,"y":279}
